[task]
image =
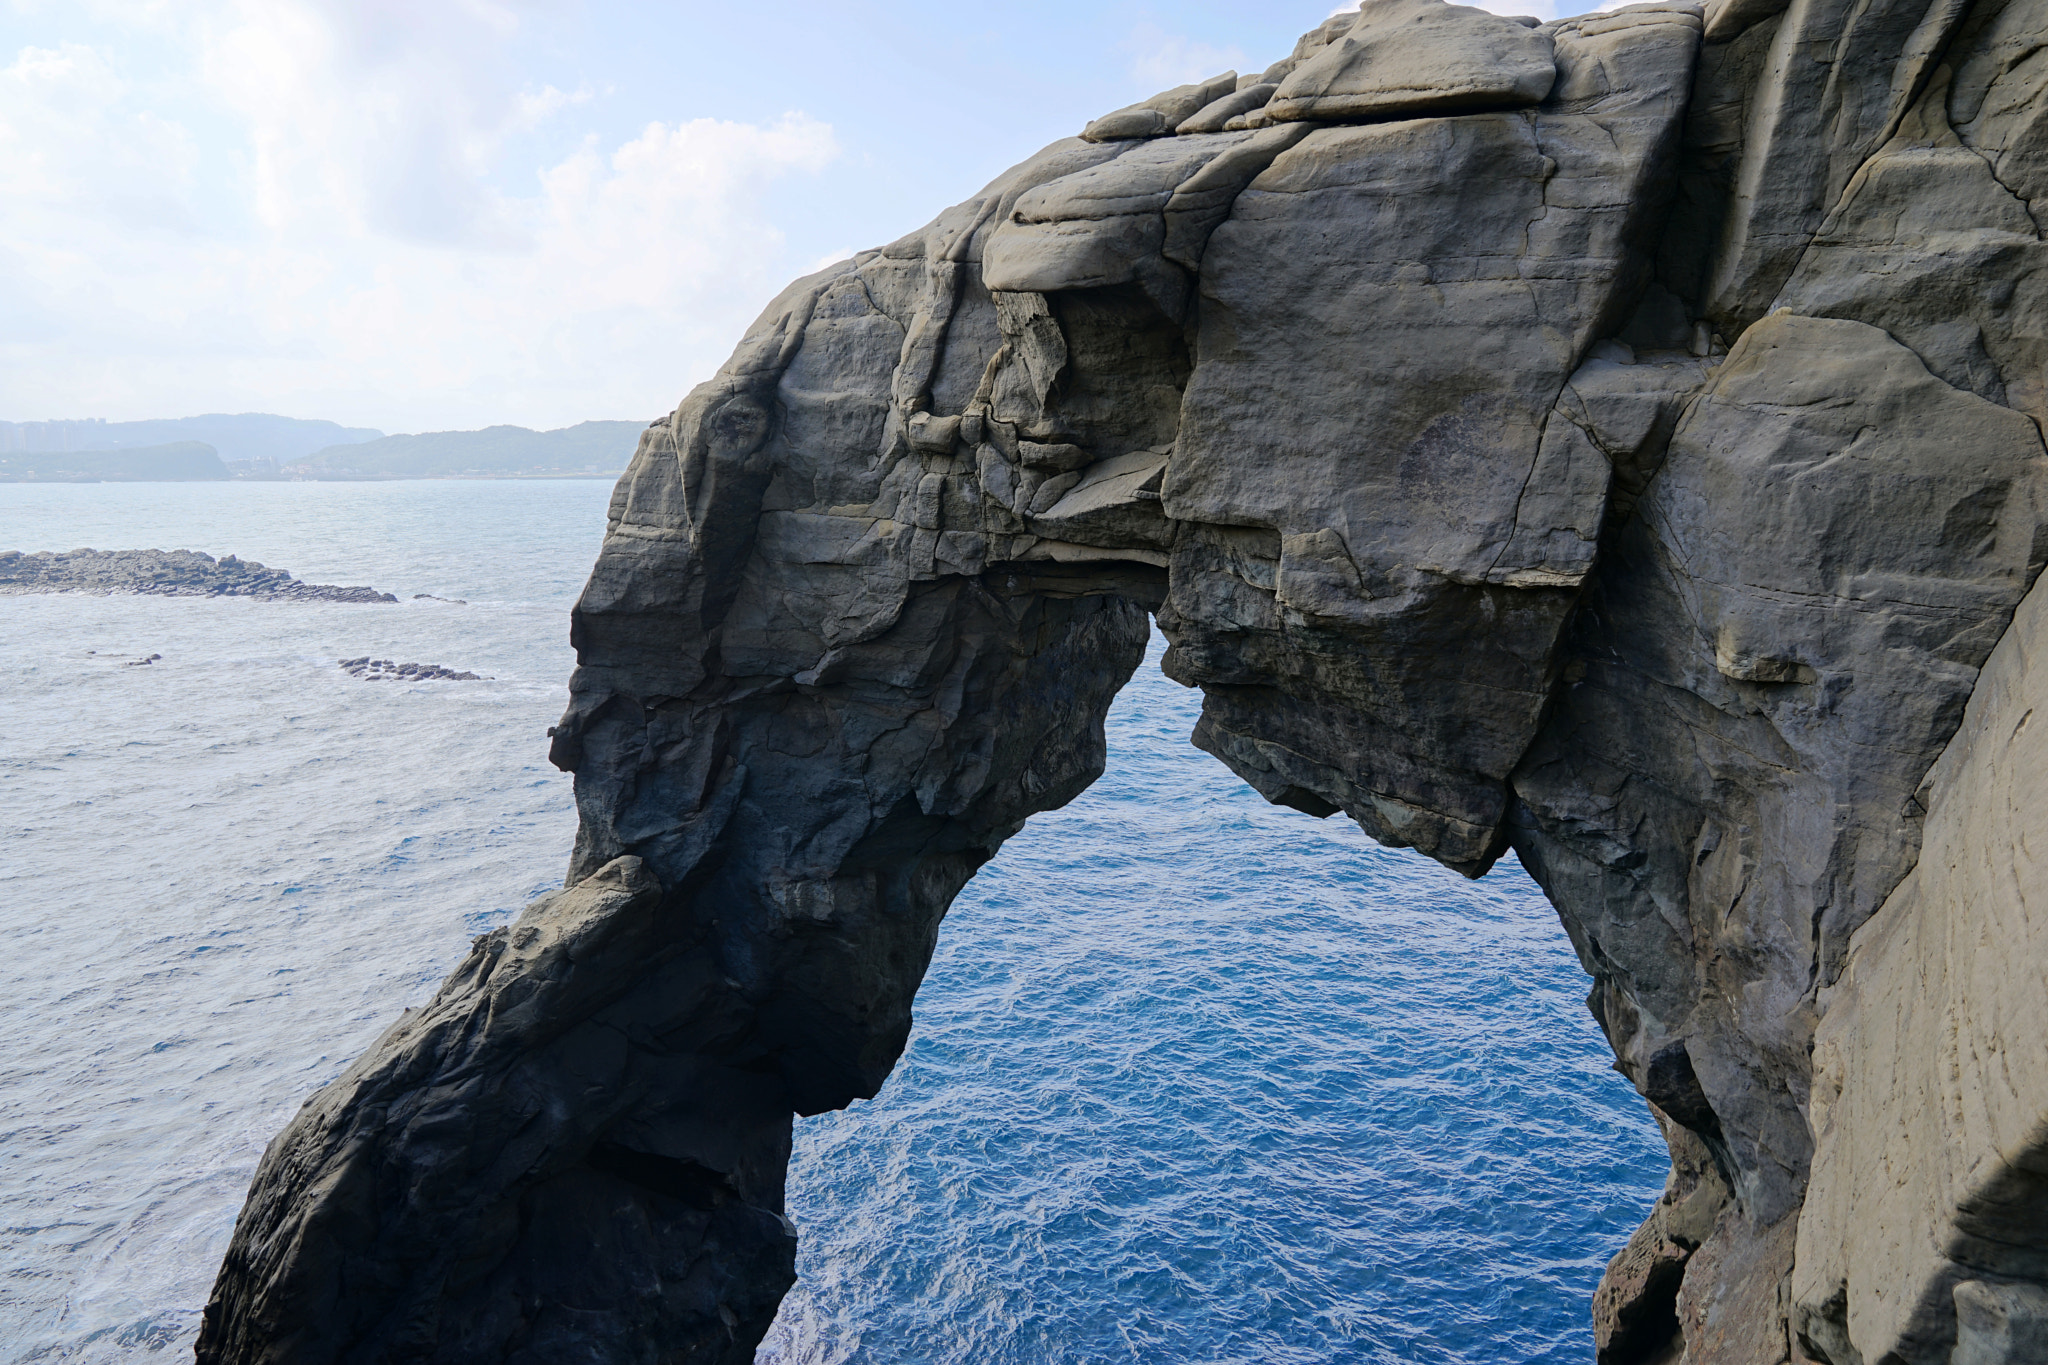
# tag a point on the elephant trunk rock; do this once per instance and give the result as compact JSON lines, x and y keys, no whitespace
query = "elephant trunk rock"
{"x":1396,"y":384}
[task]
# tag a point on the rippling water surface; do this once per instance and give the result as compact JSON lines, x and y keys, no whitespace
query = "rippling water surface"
{"x":1193,"y":1078}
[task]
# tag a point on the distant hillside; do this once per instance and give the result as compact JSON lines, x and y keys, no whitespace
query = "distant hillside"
{"x":234,"y":436}
{"x":181,"y":461}
{"x":586,"y":448}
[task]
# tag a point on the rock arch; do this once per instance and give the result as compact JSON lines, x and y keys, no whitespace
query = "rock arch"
{"x":1406,"y":421}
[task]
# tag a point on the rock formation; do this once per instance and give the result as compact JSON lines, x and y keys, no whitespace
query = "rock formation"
{"x":384,"y":670}
{"x":1390,"y":381}
{"x":1930,"y":1065}
{"x":159,"y":573}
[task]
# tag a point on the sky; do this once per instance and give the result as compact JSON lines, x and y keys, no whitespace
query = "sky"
{"x":426,"y":215}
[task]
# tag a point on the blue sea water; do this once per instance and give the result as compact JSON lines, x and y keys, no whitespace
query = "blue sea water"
{"x":1193,"y":1078}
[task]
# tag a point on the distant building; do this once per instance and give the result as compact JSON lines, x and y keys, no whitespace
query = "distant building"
{"x":89,"y":433}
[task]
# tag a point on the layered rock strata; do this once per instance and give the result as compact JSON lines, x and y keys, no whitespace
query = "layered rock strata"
{"x":161,"y":573}
{"x":1403,"y":406}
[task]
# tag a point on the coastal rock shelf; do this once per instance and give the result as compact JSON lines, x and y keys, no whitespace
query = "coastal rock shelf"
{"x":163,"y":573}
{"x":384,"y":670}
{"x":1615,"y":439}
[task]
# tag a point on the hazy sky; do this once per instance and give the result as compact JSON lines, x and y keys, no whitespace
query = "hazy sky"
{"x":425,"y":214}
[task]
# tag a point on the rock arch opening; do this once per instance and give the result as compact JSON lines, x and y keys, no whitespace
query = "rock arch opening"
{"x":1194,"y":1072}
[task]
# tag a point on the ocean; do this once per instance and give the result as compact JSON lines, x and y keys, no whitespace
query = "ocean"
{"x":1193,"y":1078}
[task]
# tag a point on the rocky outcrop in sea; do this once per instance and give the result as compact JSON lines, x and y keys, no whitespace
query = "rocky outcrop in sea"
{"x":1615,"y":439}
{"x":384,"y":670}
{"x":163,"y":573}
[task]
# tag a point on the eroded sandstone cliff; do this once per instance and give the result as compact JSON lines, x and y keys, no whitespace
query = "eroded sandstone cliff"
{"x":1390,"y":381}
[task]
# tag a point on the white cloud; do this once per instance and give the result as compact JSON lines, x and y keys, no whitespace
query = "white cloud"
{"x":1161,"y":60}
{"x":389,"y":114}
{"x":349,"y":233}
{"x":536,"y":109}
{"x":65,"y":137}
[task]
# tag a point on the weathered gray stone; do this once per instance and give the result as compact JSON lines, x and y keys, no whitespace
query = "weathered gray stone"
{"x":1375,"y":399}
{"x":1310,"y":43}
{"x":1424,"y":441}
{"x":1114,"y":504}
{"x":1161,"y":114}
{"x":1144,"y":218}
{"x":1722,"y":803}
{"x":1417,"y":57}
{"x":2000,"y":1324}
{"x":1930,"y":1092}
{"x":1635,"y":1309}
{"x":1921,"y":228}
{"x":1627,"y":409}
{"x":1808,"y":129}
{"x":1996,"y":96}
{"x":1214,"y":118}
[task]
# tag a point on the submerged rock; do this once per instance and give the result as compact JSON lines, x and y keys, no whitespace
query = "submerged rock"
{"x":163,"y":573}
{"x":1399,"y":404}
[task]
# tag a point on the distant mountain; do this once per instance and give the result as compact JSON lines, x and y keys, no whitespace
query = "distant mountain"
{"x":234,"y":436}
{"x":179,"y":461}
{"x":494,"y":452}
{"x":262,"y":446}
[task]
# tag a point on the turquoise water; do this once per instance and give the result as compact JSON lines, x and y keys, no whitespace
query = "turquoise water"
{"x":1193,"y":1078}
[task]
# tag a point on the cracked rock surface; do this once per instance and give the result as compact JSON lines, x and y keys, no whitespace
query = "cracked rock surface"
{"x":1617,"y":439}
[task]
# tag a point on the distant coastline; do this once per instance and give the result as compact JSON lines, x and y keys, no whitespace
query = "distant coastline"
{"x":305,"y":478}
{"x":178,"y":462}
{"x":264,"y":448}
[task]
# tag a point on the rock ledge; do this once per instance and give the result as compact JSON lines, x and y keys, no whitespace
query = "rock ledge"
{"x":163,"y":573}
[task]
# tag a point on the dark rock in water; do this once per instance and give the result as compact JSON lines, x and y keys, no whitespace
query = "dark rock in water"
{"x":429,"y":597}
{"x":163,"y":573}
{"x":141,"y":663}
{"x":384,"y":670}
{"x":1401,"y":407}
